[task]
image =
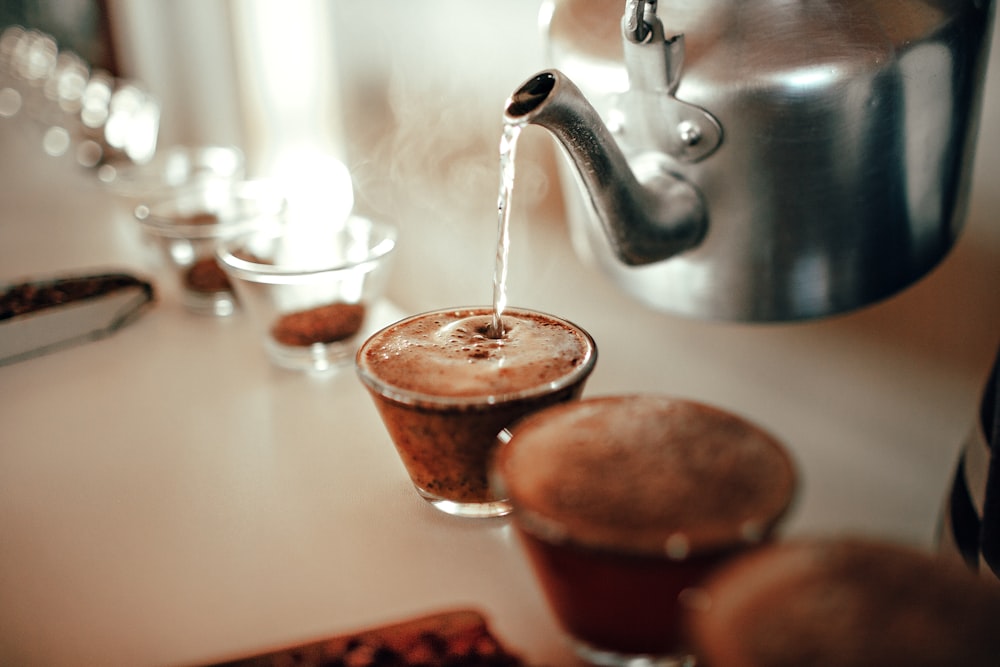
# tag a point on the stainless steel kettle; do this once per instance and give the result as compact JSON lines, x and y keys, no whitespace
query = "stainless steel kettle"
{"x":762,"y":160}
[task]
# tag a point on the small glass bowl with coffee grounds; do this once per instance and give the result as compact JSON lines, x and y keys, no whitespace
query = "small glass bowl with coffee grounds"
{"x":309,"y":289}
{"x":188,"y":223}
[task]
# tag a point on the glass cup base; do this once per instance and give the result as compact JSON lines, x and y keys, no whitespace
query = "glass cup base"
{"x":469,"y":510}
{"x":605,"y":658}
{"x":218,"y":304}
{"x":318,"y":357}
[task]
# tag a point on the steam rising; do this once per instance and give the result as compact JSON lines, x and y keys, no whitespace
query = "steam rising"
{"x":438,"y":151}
{"x":423,"y":112}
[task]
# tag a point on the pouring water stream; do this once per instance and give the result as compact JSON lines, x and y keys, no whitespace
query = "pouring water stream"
{"x":508,"y":149}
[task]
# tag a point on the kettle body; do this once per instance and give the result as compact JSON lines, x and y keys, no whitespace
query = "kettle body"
{"x":837,"y":160}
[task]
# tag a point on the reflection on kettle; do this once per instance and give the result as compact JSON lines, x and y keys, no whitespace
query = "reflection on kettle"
{"x":761,"y":160}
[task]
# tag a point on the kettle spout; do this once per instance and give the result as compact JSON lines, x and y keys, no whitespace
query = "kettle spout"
{"x":648,"y":217}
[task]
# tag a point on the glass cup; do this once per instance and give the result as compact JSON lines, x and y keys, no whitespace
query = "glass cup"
{"x":309,"y":293}
{"x":188,"y":222}
{"x":445,"y":390}
{"x":844,"y":602}
{"x":624,"y":502}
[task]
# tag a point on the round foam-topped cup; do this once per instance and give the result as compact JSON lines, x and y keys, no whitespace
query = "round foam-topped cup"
{"x":645,"y":474}
{"x":844,"y":602}
{"x":448,"y":357}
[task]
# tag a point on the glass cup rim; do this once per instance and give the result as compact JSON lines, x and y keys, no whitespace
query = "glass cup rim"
{"x":264,"y":195}
{"x":262,"y":272}
{"x":414,"y":398}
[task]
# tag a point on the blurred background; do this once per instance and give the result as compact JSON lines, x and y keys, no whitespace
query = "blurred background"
{"x":392,"y":111}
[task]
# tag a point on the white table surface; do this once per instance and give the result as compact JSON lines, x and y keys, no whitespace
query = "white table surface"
{"x":167,"y":497}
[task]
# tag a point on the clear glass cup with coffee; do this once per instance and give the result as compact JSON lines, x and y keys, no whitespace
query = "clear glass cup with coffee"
{"x":446,"y":387}
{"x":623,"y":503}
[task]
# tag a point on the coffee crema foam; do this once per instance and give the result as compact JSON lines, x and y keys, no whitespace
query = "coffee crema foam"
{"x":646,"y":473}
{"x":855,"y":601}
{"x":450,"y":354}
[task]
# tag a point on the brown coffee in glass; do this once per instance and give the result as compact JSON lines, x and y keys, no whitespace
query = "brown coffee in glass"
{"x":623,"y":503}
{"x":445,"y":389}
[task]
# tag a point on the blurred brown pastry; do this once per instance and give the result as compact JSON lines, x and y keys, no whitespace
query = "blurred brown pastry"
{"x":446,"y":639}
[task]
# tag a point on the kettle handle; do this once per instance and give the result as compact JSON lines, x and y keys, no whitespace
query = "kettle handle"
{"x":635,"y":27}
{"x":654,"y":62}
